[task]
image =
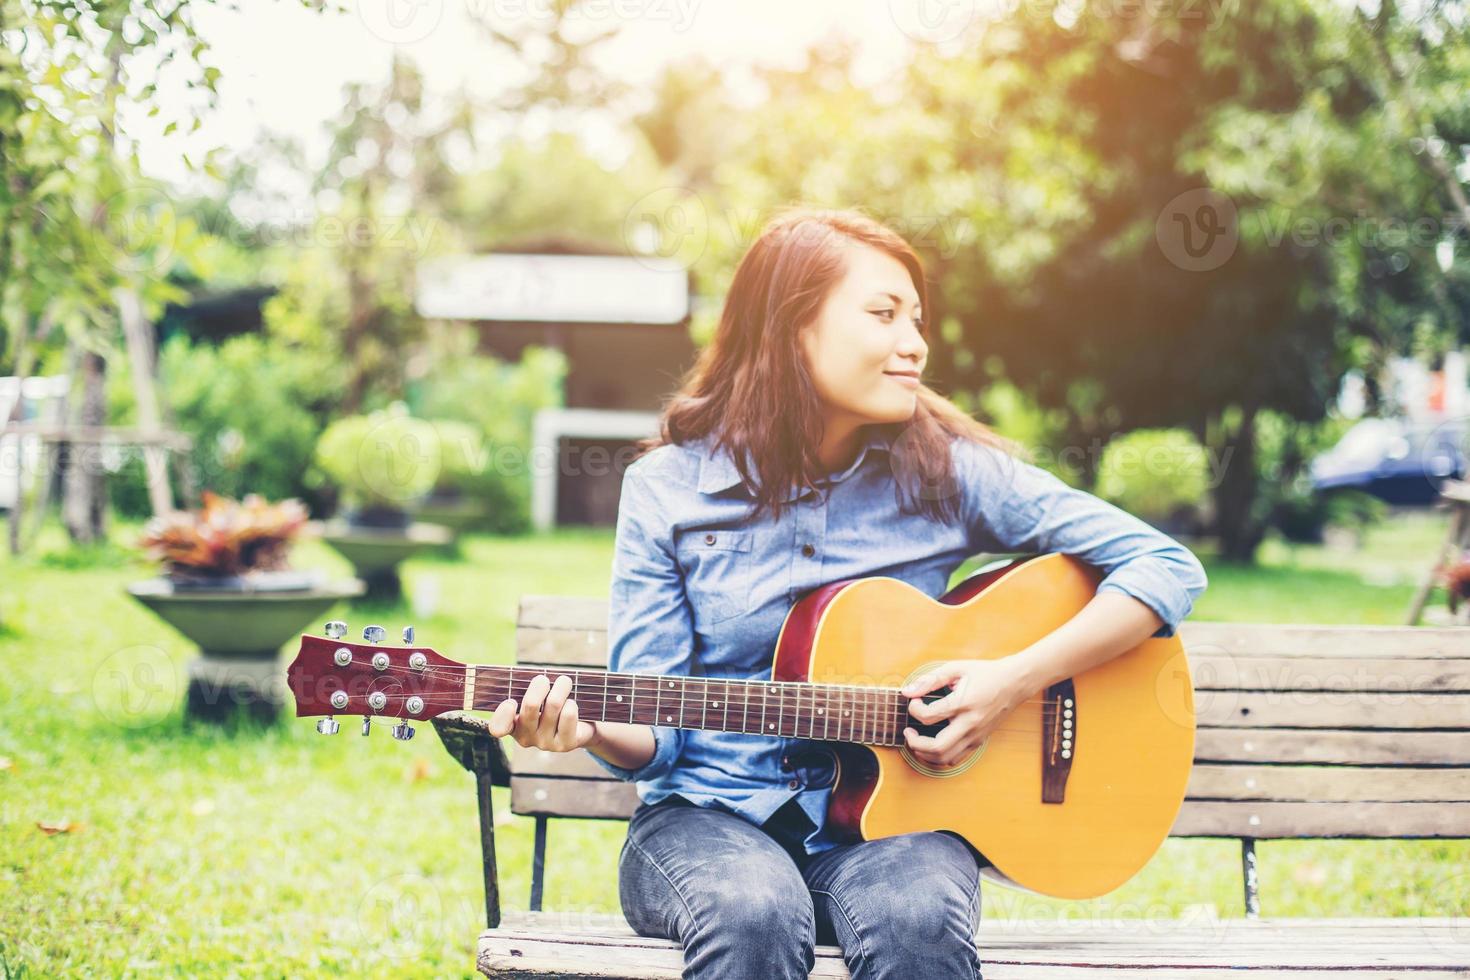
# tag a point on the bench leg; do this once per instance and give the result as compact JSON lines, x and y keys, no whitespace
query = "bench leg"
{"x":487,"y":849}
{"x":1248,"y":873}
{"x":538,"y":864}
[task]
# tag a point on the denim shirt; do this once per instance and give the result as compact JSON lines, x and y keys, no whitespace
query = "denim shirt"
{"x":697,"y":592}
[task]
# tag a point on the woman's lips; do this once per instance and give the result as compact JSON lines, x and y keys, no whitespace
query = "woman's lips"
{"x":907,"y":380}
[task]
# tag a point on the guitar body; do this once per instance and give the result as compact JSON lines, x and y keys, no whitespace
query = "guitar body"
{"x":1132,"y":741}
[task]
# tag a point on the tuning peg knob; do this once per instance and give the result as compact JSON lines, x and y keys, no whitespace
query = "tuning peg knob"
{"x":403,"y":731}
{"x":374,"y":634}
{"x":336,"y":629}
{"x":408,"y":636}
{"x":327,"y":726}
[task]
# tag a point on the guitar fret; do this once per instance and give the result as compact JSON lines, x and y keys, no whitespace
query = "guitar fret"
{"x":785,"y":709}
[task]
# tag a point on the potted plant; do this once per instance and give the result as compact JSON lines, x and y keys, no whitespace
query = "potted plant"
{"x":383,"y":463}
{"x":227,"y":586}
{"x":453,"y":502}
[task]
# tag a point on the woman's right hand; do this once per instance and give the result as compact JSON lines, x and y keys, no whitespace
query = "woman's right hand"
{"x":546,"y":718}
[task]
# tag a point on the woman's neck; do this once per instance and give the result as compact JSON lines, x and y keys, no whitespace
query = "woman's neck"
{"x":840,"y":447}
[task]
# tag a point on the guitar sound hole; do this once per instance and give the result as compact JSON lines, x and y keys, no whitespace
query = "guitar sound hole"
{"x":933,"y":728}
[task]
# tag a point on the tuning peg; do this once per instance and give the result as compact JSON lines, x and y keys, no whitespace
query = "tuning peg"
{"x":374,"y":634}
{"x":336,"y":629}
{"x":367,"y":724}
{"x":402,"y":731}
{"x":408,"y":636}
{"x":327,"y":726}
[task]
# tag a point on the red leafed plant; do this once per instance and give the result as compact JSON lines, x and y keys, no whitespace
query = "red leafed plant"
{"x":1457,"y":582}
{"x":224,"y":536}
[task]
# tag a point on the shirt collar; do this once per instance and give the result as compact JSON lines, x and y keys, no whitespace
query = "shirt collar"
{"x":717,"y":471}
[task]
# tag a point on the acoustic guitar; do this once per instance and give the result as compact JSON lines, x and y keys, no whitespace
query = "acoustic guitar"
{"x":1069,"y":796}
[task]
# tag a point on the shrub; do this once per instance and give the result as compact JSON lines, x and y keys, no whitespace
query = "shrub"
{"x":1156,"y":474}
{"x":498,"y":399}
{"x":384,"y":460}
{"x":253,"y":408}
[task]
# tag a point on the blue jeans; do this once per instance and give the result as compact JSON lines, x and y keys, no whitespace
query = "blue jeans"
{"x":748,"y":901}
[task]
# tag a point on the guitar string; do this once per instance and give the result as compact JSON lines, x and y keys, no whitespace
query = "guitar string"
{"x":889,"y":698}
{"x":881,"y":719}
{"x":882,"y":709}
{"x":451,"y":672}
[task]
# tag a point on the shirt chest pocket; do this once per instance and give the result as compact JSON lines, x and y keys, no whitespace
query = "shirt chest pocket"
{"x":717,"y":569}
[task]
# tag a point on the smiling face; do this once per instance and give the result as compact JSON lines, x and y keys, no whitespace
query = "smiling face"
{"x":866,"y":348}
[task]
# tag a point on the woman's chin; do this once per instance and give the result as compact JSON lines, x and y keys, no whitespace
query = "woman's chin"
{"x":893,"y":410}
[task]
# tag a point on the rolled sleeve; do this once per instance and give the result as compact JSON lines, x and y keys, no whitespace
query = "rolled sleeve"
{"x":650,"y":625}
{"x":1013,"y":505}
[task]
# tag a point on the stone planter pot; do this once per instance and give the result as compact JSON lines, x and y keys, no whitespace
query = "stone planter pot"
{"x":240,"y":626}
{"x":376,"y":552}
{"x":458,"y":513}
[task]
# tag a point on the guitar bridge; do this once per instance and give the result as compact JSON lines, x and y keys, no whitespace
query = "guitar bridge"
{"x":1058,"y":739}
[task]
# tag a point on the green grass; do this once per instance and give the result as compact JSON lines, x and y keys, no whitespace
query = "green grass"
{"x":249,"y":851}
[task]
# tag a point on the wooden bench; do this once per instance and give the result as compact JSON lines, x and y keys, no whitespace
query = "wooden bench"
{"x":1303,"y":732}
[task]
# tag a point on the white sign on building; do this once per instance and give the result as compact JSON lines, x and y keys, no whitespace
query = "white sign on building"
{"x":554,"y":288}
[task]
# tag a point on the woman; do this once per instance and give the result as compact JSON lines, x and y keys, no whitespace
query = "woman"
{"x":802,"y":450}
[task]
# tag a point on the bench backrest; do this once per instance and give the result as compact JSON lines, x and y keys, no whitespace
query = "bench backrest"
{"x":1303,"y":731}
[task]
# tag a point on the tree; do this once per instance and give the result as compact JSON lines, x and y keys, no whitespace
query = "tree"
{"x":82,"y":234}
{"x":1064,"y":171}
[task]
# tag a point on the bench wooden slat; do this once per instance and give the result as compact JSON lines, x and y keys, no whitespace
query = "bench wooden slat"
{"x":1356,"y":662}
{"x":1212,"y":672}
{"x":1332,"y":709}
{"x":1270,"y":819}
{"x":1398,"y":784}
{"x":574,"y":614}
{"x":595,"y":799}
{"x":1271,"y":640}
{"x":1328,"y":746}
{"x":1387,"y":784}
{"x":538,"y":762}
{"x":1262,"y":819}
{"x":563,"y":612}
{"x":582,"y":649}
{"x":593,"y":945}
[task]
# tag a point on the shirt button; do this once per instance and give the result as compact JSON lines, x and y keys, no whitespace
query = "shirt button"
{"x":807,"y":550}
{"x":793,"y":784}
{"x":709,"y":539}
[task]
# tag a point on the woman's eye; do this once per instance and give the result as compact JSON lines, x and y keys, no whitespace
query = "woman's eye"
{"x":884,"y":312}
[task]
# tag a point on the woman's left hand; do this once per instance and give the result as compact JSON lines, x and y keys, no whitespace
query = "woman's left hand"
{"x":982,"y":693}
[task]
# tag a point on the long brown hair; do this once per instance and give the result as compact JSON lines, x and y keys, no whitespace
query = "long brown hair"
{"x":750,"y":389}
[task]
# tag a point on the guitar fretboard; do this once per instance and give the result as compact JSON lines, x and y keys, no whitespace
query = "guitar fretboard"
{"x":824,"y":712}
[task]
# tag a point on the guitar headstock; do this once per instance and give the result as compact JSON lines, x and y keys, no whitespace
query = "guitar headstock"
{"x":332,"y":675}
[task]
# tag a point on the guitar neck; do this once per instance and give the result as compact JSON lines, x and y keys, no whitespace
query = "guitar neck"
{"x":826,"y":712}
